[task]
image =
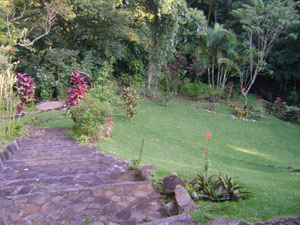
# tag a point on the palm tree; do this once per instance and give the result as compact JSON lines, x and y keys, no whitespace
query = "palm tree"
{"x":217,"y":53}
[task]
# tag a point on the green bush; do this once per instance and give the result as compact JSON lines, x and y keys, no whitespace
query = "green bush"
{"x":130,"y":98}
{"x":46,"y":84}
{"x":195,"y":90}
{"x":258,"y":111}
{"x":90,"y":117}
{"x":291,"y":113}
{"x":107,"y":93}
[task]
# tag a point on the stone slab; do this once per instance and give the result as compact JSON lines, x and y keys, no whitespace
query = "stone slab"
{"x":182,"y":219}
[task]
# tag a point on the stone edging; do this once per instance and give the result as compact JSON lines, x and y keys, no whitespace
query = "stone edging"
{"x":10,"y":150}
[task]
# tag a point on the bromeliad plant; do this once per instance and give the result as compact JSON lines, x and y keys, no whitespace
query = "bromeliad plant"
{"x":216,"y":187}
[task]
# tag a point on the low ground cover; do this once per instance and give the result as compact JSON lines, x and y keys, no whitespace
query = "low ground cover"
{"x":258,"y":153}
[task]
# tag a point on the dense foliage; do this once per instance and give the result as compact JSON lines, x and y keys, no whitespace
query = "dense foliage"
{"x":155,"y":45}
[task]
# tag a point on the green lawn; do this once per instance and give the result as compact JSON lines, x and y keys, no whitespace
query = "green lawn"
{"x":257,"y":153}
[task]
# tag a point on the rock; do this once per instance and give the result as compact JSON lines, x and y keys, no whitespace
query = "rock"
{"x":79,"y":219}
{"x":124,"y":214}
{"x":170,"y":208}
{"x":225,"y":221}
{"x":110,"y":210}
{"x":30,"y":209}
{"x":170,"y":183}
{"x":5,"y":203}
{"x":145,"y":172}
{"x":15,"y":217}
{"x":184,"y":203}
{"x":12,"y":148}
{"x":6,"y":155}
{"x":38,"y":199}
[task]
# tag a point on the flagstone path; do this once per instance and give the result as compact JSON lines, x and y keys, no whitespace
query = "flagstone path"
{"x":50,"y":179}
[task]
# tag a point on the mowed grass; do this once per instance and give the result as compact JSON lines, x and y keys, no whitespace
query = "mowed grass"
{"x":257,"y":153}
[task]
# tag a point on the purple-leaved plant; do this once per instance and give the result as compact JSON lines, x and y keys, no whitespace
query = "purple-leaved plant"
{"x":76,"y":94}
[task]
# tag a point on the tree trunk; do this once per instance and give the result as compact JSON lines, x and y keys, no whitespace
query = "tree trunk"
{"x":245,"y":94}
{"x":151,"y":67}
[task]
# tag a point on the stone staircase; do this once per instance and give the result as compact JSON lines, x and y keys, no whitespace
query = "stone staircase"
{"x":50,"y":179}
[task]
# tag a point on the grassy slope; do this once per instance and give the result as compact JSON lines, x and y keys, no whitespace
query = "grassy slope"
{"x":174,"y":142}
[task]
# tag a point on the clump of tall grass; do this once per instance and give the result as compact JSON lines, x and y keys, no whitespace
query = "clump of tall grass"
{"x":8,"y":105}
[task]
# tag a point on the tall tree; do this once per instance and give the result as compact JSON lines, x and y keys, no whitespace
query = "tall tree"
{"x":28,"y":21}
{"x":161,"y":18}
{"x":262,"y":24}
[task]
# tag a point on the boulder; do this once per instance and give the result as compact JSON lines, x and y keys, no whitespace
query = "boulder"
{"x":170,"y":183}
{"x":184,"y":203}
{"x":145,"y":172}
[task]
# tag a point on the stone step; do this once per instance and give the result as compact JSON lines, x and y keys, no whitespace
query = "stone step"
{"x":61,"y":165}
{"x":182,"y":219}
{"x":47,"y":136}
{"x":120,"y":203}
{"x":54,"y":183}
{"x":47,"y":154}
{"x":37,"y":132}
{"x":53,"y":149}
{"x":94,"y":168}
{"x":48,"y":146}
{"x":38,"y":161}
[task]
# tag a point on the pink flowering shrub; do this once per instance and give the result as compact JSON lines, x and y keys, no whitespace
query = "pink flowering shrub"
{"x":75,"y":95}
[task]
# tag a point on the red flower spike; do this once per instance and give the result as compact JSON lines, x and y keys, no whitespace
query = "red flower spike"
{"x":206,"y":152}
{"x":111,"y":123}
{"x":208,"y":135}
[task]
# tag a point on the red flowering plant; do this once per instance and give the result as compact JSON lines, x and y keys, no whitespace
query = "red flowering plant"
{"x":76,"y":94}
{"x":26,"y":90}
{"x":207,"y":137}
{"x":216,"y":187}
{"x":109,"y":127}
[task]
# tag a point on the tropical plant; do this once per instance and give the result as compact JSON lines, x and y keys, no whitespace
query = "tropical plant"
{"x":75,"y":95}
{"x":195,"y":90}
{"x":291,"y":113}
{"x":216,"y":187}
{"x":277,"y":108}
{"x":130,"y":97}
{"x":258,"y":111}
{"x":217,"y":53}
{"x":91,"y":117}
{"x":26,"y":90}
